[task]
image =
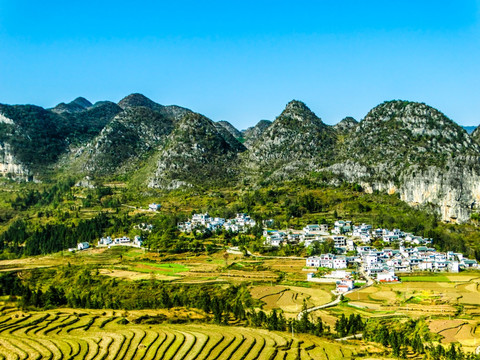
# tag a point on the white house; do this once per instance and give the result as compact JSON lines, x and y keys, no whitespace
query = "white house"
{"x":370,"y":258}
{"x":276,"y":242}
{"x":105,"y":241}
{"x":83,"y":245}
{"x":154,"y":207}
{"x":467,"y":263}
{"x":345,"y":285}
{"x":311,"y":228}
{"x":340,"y":262}
{"x":386,"y":276}
{"x":138,"y":241}
{"x":122,"y":240}
{"x":313,"y":261}
{"x":350,"y":245}
{"x":340,"y":241}
{"x":454,"y":266}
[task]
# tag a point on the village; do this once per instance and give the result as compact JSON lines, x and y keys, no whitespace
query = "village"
{"x":401,"y":252}
{"x":351,"y":252}
{"x":204,"y":222}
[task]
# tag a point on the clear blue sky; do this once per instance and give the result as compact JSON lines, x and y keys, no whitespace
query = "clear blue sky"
{"x":242,"y":61}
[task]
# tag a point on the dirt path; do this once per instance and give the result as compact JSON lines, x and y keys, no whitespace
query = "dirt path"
{"x":335,"y":302}
{"x":350,"y":337}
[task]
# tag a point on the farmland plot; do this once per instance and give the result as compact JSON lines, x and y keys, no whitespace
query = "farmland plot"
{"x":68,"y":335}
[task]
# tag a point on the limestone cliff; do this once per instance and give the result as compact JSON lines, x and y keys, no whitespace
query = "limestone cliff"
{"x":10,"y":165}
{"x":416,"y":151}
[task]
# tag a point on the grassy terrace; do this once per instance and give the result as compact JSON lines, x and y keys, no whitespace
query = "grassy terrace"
{"x":100,"y":335}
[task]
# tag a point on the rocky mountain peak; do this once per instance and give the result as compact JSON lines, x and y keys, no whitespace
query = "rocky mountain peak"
{"x":198,"y":151}
{"x":253,"y":133}
{"x":346,"y":124}
{"x":81,"y":102}
{"x":296,"y":105}
{"x":230,"y":128}
{"x":295,"y":141}
{"x":77,"y":105}
{"x":298,"y":111}
{"x":419,"y":125}
{"x":137,"y":99}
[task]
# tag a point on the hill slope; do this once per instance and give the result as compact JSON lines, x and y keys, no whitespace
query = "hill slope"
{"x":294,"y":144}
{"x":415,"y":150}
{"x":399,"y":147}
{"x":230,"y":128}
{"x":130,"y":136}
{"x":252,"y":134}
{"x":197,"y":152}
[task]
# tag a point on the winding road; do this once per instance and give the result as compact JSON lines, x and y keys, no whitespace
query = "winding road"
{"x":337,"y":301}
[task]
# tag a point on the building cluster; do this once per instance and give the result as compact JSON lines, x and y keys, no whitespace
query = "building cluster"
{"x":201,"y":222}
{"x":124,"y":240}
{"x":144,"y":227}
{"x":383,"y":264}
{"x":352,"y":248}
{"x":344,"y":234}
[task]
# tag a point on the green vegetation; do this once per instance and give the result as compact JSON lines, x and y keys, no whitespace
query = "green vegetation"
{"x":191,"y":279}
{"x":40,"y":136}
{"x":44,"y":218}
{"x":411,"y":336}
{"x":429,"y":278}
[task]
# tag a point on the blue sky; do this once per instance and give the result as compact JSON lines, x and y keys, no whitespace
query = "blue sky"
{"x":242,"y":61}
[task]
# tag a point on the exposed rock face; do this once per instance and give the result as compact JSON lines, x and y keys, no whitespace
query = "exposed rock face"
{"x":293,"y":145}
{"x":252,"y":134}
{"x":346,"y":125}
{"x":454,"y":189}
{"x":197,"y":152}
{"x":415,"y":151}
{"x":10,"y":165}
{"x":125,"y":140}
{"x":230,"y":128}
{"x":475,"y":135}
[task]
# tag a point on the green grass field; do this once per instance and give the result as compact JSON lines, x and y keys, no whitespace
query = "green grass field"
{"x":159,"y":269}
{"x":425,"y":278}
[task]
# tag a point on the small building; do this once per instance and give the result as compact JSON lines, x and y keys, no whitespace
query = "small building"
{"x":138,"y":241}
{"x":154,"y":207}
{"x":454,"y":266}
{"x":468,"y":264}
{"x":340,"y":262}
{"x":344,"y":285}
{"x":122,"y":240}
{"x":83,"y":246}
{"x":386,"y":276}
{"x":313,"y":261}
{"x":105,"y":241}
{"x":340,"y":241}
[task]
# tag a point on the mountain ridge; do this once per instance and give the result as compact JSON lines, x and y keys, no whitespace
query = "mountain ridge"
{"x":400,"y":147}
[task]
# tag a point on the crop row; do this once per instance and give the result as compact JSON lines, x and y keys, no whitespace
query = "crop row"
{"x":72,"y":336}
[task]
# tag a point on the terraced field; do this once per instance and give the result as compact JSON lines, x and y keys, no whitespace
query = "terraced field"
{"x":68,"y":335}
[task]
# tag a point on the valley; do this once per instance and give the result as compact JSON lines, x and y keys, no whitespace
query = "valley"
{"x":227,"y":228}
